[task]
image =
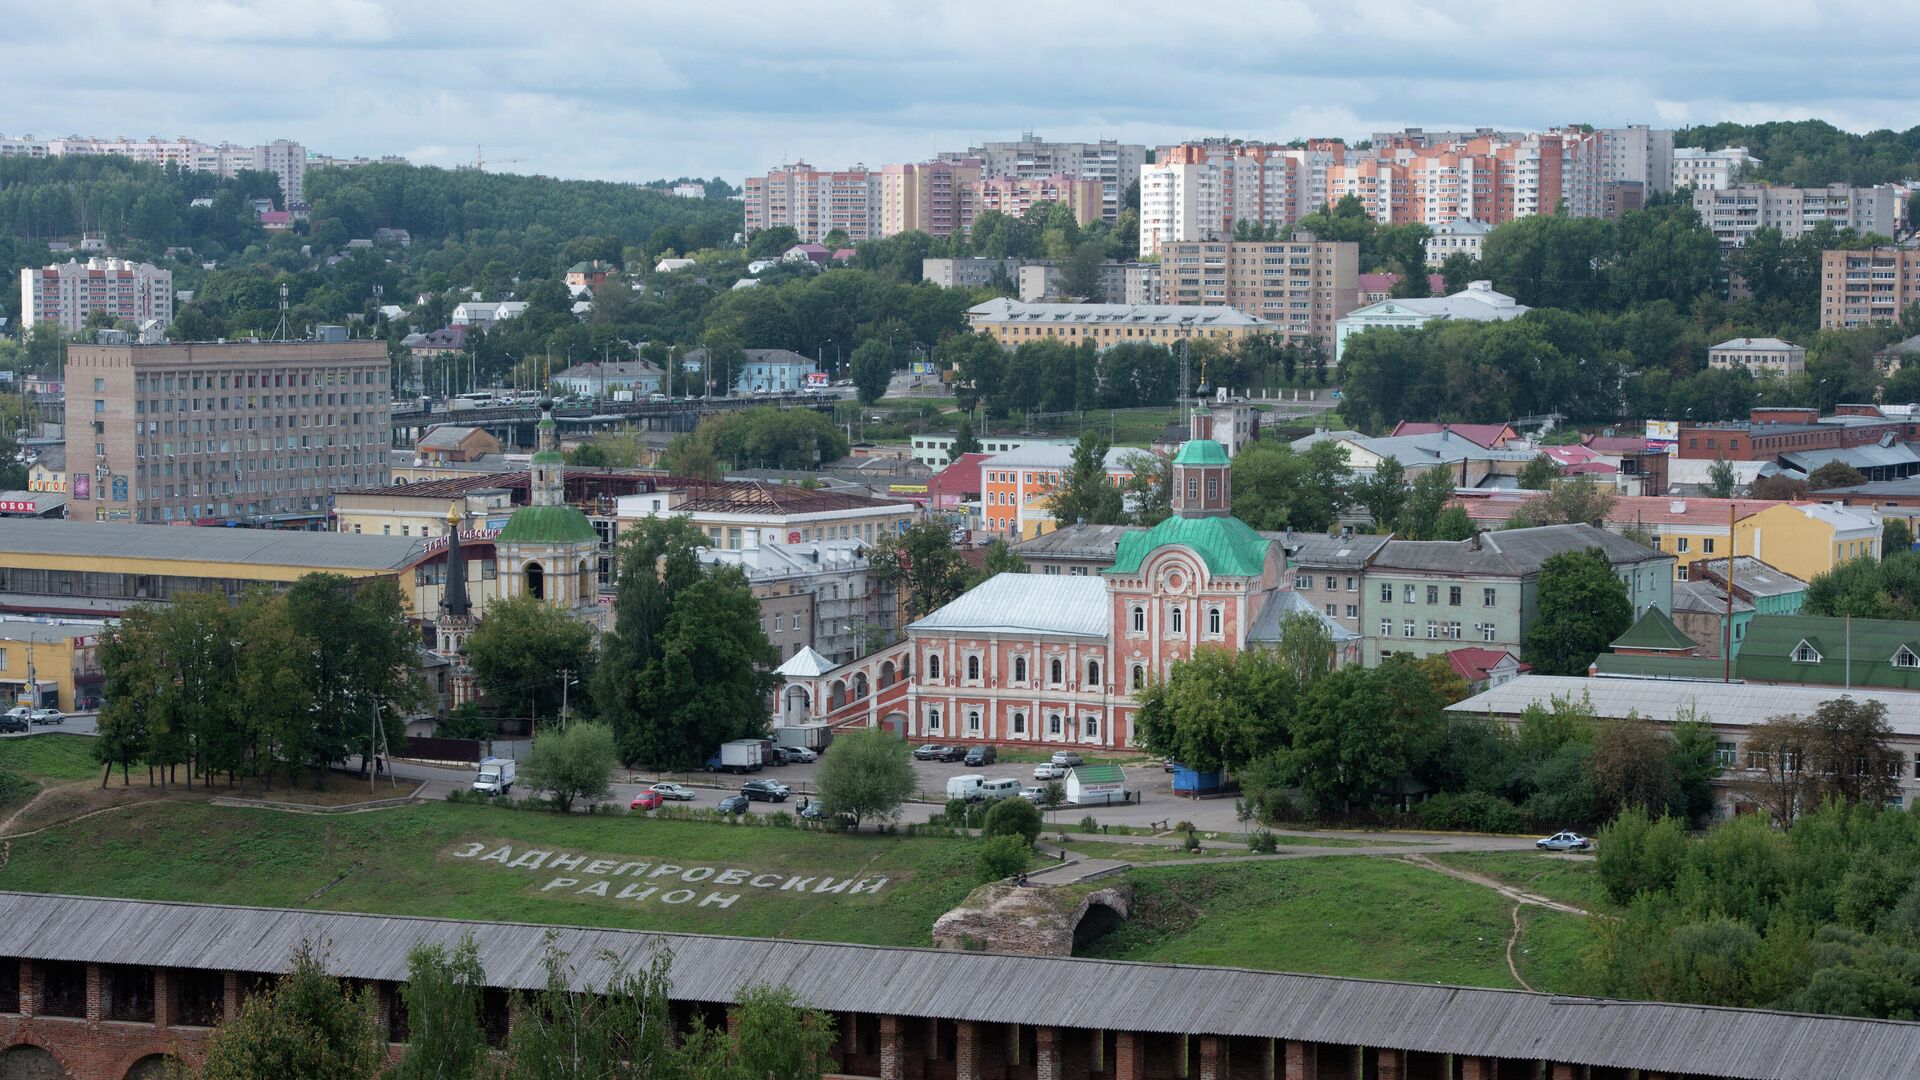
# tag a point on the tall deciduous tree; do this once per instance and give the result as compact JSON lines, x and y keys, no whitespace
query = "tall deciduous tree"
{"x":1427,"y":499}
{"x":1360,"y":736}
{"x":922,"y":563}
{"x":1721,"y":480}
{"x":306,"y":1026}
{"x":713,"y":676}
{"x":1540,"y":473}
{"x":443,"y":995}
{"x":572,"y":762}
{"x":1220,"y":709}
{"x":523,"y":650}
{"x":1086,"y":493}
{"x":364,"y":657}
{"x":872,"y":370}
{"x":659,"y":557}
{"x":1277,"y":487}
{"x":1583,"y":607}
{"x":1384,"y":494}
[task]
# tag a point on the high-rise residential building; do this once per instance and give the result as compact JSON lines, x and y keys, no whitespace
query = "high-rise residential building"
{"x":814,"y":202}
{"x":1302,"y":285}
{"x":66,"y":293}
{"x":284,"y":158}
{"x":1201,"y":191}
{"x":1496,"y":178}
{"x":1113,"y":164}
{"x":1709,"y":170}
{"x":251,"y":433}
{"x":1736,"y":213}
{"x":1014,"y":196}
{"x":1637,"y":154}
{"x":938,"y":198}
{"x":1862,"y":287}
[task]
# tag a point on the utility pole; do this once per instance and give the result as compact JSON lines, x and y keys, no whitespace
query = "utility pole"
{"x":566,"y":680}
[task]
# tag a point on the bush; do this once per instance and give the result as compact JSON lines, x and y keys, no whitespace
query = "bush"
{"x":1636,"y":854}
{"x":1014,"y":817}
{"x":1474,"y":811}
{"x":1192,"y":842}
{"x":1087,"y":824}
{"x":1263,"y":843}
{"x":1002,"y":857}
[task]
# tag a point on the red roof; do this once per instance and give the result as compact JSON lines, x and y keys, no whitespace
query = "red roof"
{"x":843,"y":253}
{"x":956,"y":483}
{"x":1489,"y":436}
{"x":1373,"y":283}
{"x":1617,"y":444}
{"x":1471,"y":663}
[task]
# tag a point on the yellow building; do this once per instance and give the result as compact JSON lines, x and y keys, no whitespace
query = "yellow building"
{"x":59,"y":661}
{"x":1809,"y":539}
{"x":91,"y":569}
{"x":421,"y":509}
{"x":1015,"y":323}
{"x":749,"y":514}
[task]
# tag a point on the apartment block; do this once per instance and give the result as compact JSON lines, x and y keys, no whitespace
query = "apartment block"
{"x":66,"y":293}
{"x":1761,"y":356}
{"x":1637,"y":154}
{"x":1013,"y":323}
{"x":1701,"y":169}
{"x":934,"y":197}
{"x":1114,"y":165}
{"x":1463,"y":236}
{"x":1302,"y":285}
{"x":1494,"y":178}
{"x":1858,"y":288}
{"x":1014,"y":196}
{"x":1046,"y":280}
{"x":249,"y":433}
{"x":1736,"y":213}
{"x":814,"y":202}
{"x":1200,"y":191}
{"x":284,"y":158}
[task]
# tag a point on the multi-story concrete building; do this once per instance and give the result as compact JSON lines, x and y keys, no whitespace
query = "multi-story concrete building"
{"x":1736,"y":213}
{"x":1113,"y":165}
{"x":1014,"y":196}
{"x":1016,"y":487}
{"x":66,"y":293}
{"x":746,"y":515}
{"x":1637,"y":154}
{"x":814,"y":202}
{"x":1201,"y":191}
{"x":1494,"y":178}
{"x":1709,"y":170}
{"x":1302,"y":285}
{"x":1462,"y":236}
{"x":251,"y":433}
{"x":1045,"y":280}
{"x":934,"y":197}
{"x":969,"y":273}
{"x":1862,"y":287}
{"x":820,"y":595}
{"x":1768,"y":433}
{"x":1426,"y":597}
{"x":1330,"y":573}
{"x":1013,"y":322}
{"x":1761,"y":356}
{"x":286,"y":159}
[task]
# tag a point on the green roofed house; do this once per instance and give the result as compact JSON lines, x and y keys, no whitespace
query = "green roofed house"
{"x":1814,"y":650}
{"x":1095,"y":785}
{"x":548,"y":549}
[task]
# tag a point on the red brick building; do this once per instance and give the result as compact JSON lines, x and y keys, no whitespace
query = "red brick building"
{"x":1768,"y":433}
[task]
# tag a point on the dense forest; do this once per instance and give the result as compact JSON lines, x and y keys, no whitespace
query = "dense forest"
{"x":1811,"y":153}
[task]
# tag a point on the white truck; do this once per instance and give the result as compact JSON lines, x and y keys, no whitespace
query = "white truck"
{"x":738,"y":756}
{"x":495,"y":776}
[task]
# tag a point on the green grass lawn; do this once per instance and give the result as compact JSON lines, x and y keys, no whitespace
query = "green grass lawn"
{"x":1366,"y":918}
{"x":49,"y":757}
{"x":1570,"y":881}
{"x":403,"y":861}
{"x":1552,"y":949}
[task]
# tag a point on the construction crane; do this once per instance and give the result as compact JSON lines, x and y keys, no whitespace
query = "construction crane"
{"x":481,"y":161}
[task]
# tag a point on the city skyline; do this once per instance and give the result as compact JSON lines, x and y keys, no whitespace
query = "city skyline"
{"x":625,"y":95}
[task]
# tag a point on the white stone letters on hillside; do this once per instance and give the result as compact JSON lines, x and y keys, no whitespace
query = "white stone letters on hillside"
{"x":655,"y":882}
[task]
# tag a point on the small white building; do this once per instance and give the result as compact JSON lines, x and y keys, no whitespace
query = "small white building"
{"x":1477,"y":302}
{"x":1761,"y":356}
{"x":1096,"y":785}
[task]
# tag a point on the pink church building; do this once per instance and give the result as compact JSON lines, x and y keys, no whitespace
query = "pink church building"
{"x":1056,"y":661}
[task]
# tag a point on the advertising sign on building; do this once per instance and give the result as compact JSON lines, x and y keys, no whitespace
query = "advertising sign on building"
{"x":82,"y":486}
{"x":119,"y":489}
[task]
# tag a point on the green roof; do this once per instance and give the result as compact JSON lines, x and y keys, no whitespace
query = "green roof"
{"x":1099,"y":774}
{"x":1862,"y":654}
{"x":547,"y":525}
{"x":549,"y":457}
{"x":1228,"y":546}
{"x":1201,"y":452}
{"x":1702,"y":668}
{"x":1655,"y":630}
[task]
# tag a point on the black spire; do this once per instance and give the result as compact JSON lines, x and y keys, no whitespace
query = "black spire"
{"x":453,"y":598}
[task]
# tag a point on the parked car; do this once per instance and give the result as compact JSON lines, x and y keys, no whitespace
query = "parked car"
{"x":931,"y":752}
{"x":12,"y":723}
{"x":47,"y":716}
{"x":801,"y":755}
{"x":981,"y":755}
{"x":1066,"y":759}
{"x":1047,"y":770}
{"x":21,"y":712}
{"x":1564,"y":841}
{"x":733,"y":804}
{"x":780,"y":755}
{"x":646,"y":800}
{"x":1000,"y":787}
{"x":676,"y":792}
{"x":1035,"y":795}
{"x":766,"y":790}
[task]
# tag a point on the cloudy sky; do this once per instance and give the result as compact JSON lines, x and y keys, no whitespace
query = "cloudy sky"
{"x":638,"y":89}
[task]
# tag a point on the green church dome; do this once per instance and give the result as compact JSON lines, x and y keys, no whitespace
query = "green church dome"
{"x":548,"y":525}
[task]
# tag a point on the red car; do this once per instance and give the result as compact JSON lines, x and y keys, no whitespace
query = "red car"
{"x":646,"y":800}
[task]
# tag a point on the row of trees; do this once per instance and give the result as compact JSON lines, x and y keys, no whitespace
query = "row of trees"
{"x":307,"y":1025}
{"x":275,"y":685}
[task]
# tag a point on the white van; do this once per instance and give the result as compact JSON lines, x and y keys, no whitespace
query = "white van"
{"x":965,"y":786}
{"x":998,"y":788}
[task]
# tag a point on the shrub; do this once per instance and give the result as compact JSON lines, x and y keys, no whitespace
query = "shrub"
{"x":780,"y":819}
{"x":1002,"y":857}
{"x":1263,"y":843}
{"x":1183,"y":826}
{"x":1087,"y":824}
{"x":1474,"y":811}
{"x":1192,"y":842}
{"x":1637,"y":854}
{"x":1014,"y":817}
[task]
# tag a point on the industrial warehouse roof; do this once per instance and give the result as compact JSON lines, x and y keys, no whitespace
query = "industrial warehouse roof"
{"x":1068,"y":606}
{"x":991,"y":987}
{"x":1731,"y":704}
{"x":167,"y":543}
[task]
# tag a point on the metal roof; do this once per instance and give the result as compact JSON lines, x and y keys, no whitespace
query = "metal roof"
{"x":1726,"y":704}
{"x":168,"y":543}
{"x":1078,"y":541}
{"x":994,"y":988}
{"x":1509,"y":552}
{"x":1753,"y":577}
{"x":1003,"y":309}
{"x":1062,"y":605}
